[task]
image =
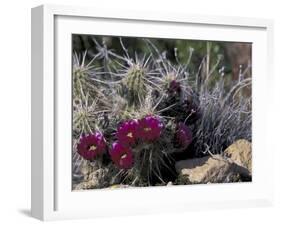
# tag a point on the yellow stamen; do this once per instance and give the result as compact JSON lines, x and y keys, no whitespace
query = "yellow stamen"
{"x":123,"y":156}
{"x":147,"y":129}
{"x":92,"y":148}
{"x":130,"y":135}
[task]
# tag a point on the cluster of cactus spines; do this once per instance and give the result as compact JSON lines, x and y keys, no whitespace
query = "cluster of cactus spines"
{"x":82,"y":84}
{"x":201,"y":120}
{"x":134,"y":81}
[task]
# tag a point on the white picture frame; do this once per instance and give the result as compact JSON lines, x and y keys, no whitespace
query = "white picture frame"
{"x":52,"y":197}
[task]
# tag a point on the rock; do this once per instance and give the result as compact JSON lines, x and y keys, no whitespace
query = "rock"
{"x":210,"y":169}
{"x":95,"y":179}
{"x":241,"y":153}
{"x":87,"y":167}
{"x":85,"y":185}
{"x":98,"y":178}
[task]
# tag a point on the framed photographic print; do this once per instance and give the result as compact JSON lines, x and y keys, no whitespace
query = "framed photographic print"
{"x":138,"y":112}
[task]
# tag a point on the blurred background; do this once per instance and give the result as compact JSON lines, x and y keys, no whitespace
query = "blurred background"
{"x":233,"y":56}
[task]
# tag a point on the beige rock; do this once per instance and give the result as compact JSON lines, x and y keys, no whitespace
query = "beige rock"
{"x":241,"y":153}
{"x":210,"y":169}
{"x":87,"y":168}
{"x":95,"y":177}
{"x":85,"y":185}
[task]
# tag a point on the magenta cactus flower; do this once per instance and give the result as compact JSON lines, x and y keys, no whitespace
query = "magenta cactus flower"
{"x":174,"y":87}
{"x":183,"y":135}
{"x":121,"y":155}
{"x":91,"y":145}
{"x":127,"y":132}
{"x":149,"y":128}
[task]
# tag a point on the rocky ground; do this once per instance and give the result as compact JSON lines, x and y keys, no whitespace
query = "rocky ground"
{"x":234,"y":165}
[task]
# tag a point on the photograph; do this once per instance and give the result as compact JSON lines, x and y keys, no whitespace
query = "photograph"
{"x":160,"y":112}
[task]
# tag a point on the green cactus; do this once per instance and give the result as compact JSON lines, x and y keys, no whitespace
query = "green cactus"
{"x":135,"y":83}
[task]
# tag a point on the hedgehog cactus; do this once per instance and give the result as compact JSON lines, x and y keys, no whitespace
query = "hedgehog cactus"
{"x":148,"y":110}
{"x":81,"y":77}
{"x":135,"y":83}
